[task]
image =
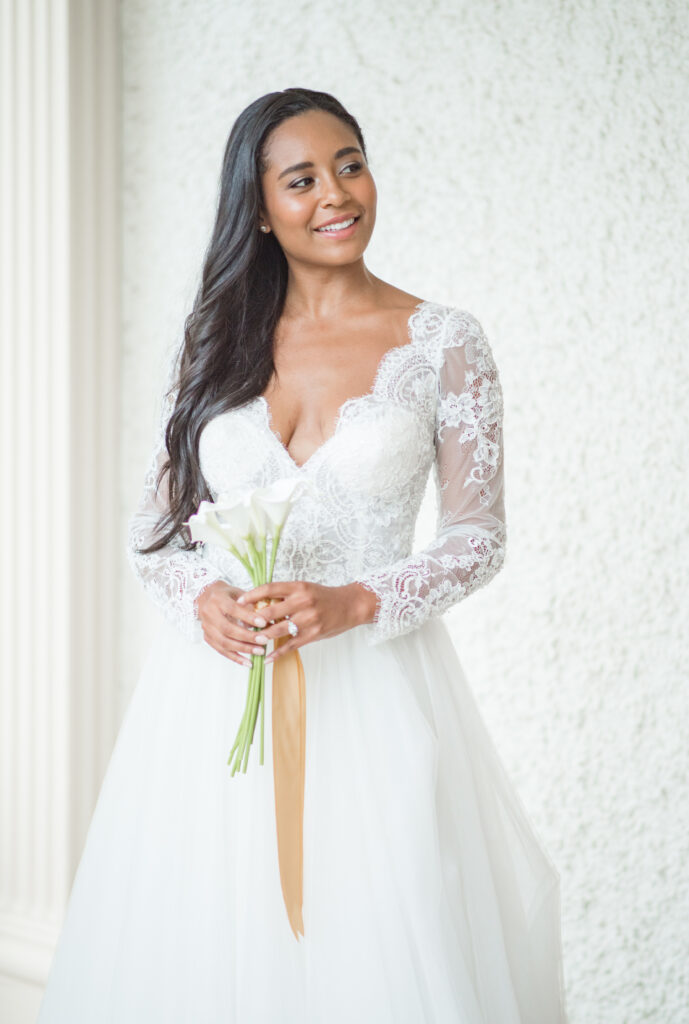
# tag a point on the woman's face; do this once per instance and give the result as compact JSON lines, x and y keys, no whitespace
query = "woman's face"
{"x":332,"y":182}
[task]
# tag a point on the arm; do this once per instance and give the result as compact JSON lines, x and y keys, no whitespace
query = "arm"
{"x":469,"y":547}
{"x":171,"y":576}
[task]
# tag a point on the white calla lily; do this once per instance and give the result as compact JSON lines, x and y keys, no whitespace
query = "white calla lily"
{"x":259,"y":521}
{"x":221,"y":525}
{"x":277,"y":500}
{"x":234,"y":509}
{"x":240,"y":521}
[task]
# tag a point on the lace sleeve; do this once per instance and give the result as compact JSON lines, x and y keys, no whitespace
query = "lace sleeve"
{"x":172,"y":576}
{"x":469,"y":546}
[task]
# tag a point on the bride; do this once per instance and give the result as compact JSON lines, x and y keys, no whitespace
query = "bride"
{"x":426,"y":896}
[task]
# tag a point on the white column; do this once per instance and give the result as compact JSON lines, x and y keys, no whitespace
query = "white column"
{"x":59,"y":323}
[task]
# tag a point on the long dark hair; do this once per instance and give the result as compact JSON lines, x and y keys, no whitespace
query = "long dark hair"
{"x":227,"y":354}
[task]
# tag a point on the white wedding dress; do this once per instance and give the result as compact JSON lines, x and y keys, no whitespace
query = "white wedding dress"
{"x":428,"y":899}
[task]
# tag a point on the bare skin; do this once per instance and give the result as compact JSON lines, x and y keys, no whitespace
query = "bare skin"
{"x":338,"y":322}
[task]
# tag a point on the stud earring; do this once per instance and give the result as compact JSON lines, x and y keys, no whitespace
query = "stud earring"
{"x":263,"y":227}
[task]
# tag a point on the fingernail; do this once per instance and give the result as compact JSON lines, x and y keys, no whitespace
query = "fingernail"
{"x":258,"y":621}
{"x":259,"y":650}
{"x":261,"y":639}
{"x":241,"y":599}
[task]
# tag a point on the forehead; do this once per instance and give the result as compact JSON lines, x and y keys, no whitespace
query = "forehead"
{"x":306,"y":136}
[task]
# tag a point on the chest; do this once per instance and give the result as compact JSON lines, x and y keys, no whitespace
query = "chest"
{"x":382,"y":434}
{"x":317,"y":374}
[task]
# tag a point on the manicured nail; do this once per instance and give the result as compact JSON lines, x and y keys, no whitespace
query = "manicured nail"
{"x":241,"y":599}
{"x":259,"y":650}
{"x":259,"y":621}
{"x":261,"y":639}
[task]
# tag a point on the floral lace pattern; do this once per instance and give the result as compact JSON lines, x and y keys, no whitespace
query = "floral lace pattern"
{"x":436,"y":401}
{"x":172,"y":577}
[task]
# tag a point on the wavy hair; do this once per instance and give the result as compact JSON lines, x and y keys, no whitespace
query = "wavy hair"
{"x":226,"y":357}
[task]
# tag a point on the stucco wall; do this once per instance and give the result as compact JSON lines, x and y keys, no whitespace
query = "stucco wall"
{"x":531,"y":163}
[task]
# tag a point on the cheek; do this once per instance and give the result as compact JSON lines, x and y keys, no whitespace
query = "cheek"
{"x":368,"y":194}
{"x":291,"y":210}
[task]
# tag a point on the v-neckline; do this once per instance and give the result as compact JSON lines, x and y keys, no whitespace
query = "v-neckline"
{"x":263,"y":401}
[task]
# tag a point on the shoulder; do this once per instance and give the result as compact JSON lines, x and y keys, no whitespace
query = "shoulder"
{"x":448,"y":328}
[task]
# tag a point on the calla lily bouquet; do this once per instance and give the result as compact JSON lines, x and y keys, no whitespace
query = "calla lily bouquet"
{"x":246,"y":523}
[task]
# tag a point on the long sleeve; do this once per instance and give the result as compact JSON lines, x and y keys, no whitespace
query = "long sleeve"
{"x":172,"y":576}
{"x":469,"y":546}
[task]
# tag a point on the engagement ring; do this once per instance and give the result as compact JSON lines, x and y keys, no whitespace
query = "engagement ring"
{"x":292,"y":627}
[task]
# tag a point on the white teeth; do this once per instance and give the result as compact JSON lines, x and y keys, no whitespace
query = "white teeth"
{"x":338,"y":227}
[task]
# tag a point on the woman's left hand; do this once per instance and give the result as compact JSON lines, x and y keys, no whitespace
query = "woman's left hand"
{"x":318,"y":611}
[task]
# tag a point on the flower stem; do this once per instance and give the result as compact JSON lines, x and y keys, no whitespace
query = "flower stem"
{"x":255,"y":696}
{"x":263,"y":703}
{"x":253,"y":712}
{"x":273,"y":552}
{"x":240,"y":741}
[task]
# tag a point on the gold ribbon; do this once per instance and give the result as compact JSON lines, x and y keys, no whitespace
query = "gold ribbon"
{"x":289,"y":762}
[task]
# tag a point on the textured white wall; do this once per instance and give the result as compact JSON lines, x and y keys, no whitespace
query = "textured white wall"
{"x":531,"y":165}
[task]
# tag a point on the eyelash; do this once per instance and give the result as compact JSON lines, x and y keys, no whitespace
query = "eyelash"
{"x":356,"y":165}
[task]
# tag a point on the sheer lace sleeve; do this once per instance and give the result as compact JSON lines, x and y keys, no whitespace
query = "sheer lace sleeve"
{"x":469,"y":546}
{"x":171,"y":576}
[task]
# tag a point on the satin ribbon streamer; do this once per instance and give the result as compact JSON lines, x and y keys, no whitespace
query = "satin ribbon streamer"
{"x":289,"y":764}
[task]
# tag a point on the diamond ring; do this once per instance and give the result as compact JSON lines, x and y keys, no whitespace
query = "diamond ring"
{"x":292,"y":627}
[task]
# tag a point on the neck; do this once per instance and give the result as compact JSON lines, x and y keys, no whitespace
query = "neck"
{"x":321,"y":292}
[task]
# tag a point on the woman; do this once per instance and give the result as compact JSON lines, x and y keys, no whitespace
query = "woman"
{"x":426,"y":896}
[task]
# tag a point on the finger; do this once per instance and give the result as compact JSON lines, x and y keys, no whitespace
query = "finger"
{"x":230,"y":647}
{"x":245,"y":634}
{"x":280,"y":628}
{"x":245,"y":639}
{"x":247,"y":614}
{"x":290,"y":605}
{"x":222,"y":615}
{"x":290,"y":645}
{"x":266,"y":591}
{"x":231,"y":655}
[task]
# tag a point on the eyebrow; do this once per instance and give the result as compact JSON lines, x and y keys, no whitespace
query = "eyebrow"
{"x":307,"y":163}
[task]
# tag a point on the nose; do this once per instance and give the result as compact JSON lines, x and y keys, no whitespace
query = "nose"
{"x":332,"y":191}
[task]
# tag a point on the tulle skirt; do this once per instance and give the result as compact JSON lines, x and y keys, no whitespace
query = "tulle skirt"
{"x":428,"y":899}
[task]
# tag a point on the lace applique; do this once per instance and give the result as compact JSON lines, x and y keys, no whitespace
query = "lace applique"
{"x":436,"y":401}
{"x":469,"y":548}
{"x":172,"y":577}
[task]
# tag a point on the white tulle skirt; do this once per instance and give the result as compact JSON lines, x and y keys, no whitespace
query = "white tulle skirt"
{"x":427,"y":897}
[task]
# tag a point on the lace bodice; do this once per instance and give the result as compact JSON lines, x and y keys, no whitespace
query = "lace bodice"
{"x":436,"y":402}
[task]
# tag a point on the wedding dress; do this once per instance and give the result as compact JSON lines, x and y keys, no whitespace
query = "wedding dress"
{"x":427,"y":896}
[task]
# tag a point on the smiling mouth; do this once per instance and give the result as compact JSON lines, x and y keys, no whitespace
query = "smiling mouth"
{"x":332,"y":229}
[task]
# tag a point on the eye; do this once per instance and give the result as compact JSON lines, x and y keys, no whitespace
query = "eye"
{"x":352,"y":168}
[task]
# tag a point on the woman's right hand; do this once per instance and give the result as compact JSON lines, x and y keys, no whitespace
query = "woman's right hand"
{"x":223,"y":622}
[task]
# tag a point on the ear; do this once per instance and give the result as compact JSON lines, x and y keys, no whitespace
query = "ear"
{"x":263,"y":221}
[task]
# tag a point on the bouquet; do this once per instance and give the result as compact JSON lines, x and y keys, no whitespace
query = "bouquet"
{"x":246,"y":523}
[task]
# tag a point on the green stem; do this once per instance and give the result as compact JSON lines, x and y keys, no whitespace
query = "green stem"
{"x":253,"y":714}
{"x":256,"y":575}
{"x":240,"y":740}
{"x":262,"y":558}
{"x":255,"y":697}
{"x":250,"y":721}
{"x":245,"y":561}
{"x":263,"y":702}
{"x":273,"y":552}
